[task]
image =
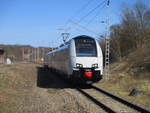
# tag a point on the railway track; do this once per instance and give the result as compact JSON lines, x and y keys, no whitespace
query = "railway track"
{"x":109,"y":102}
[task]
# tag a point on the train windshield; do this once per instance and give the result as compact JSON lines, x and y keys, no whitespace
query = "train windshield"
{"x":85,"y":47}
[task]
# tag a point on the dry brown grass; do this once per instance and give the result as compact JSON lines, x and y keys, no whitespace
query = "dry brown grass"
{"x":132,"y":72}
{"x":139,"y":61}
{"x":20,"y":93}
{"x":13,"y":83}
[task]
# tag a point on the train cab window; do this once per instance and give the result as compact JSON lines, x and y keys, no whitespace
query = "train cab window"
{"x":85,"y":47}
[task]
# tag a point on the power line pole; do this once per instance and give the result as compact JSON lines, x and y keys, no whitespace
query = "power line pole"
{"x":43,"y":52}
{"x":23,"y":53}
{"x":35,"y":54}
{"x":38,"y":54}
{"x":107,"y":45}
{"x":32,"y":54}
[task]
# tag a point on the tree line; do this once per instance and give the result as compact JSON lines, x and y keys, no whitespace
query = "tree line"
{"x":132,"y":32}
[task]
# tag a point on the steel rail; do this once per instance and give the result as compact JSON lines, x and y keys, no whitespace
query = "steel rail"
{"x":124,"y":101}
{"x":103,"y":106}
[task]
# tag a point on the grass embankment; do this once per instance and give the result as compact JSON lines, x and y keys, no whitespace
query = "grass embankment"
{"x":123,"y":79}
{"x":132,"y":72}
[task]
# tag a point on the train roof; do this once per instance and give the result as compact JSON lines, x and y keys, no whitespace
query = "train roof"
{"x":66,"y":44}
{"x":83,"y":36}
{"x":60,"y":48}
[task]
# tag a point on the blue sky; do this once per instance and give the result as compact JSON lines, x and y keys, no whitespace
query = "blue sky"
{"x":40,"y":22}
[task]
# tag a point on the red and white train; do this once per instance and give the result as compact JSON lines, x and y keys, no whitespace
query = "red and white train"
{"x":80,"y":60}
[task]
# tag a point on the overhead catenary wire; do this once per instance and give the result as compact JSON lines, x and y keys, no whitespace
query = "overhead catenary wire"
{"x":82,"y":18}
{"x":76,"y":23}
{"x":81,"y":9}
{"x":91,"y":11}
{"x":101,"y":6}
{"x":83,"y":27}
{"x":78,"y":12}
{"x":94,"y":17}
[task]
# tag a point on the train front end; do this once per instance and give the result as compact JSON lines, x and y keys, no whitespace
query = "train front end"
{"x":86,"y":60}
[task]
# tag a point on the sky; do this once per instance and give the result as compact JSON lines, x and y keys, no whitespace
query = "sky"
{"x":41,"y":22}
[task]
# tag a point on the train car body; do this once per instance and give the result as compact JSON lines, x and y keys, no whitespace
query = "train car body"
{"x":80,"y":60}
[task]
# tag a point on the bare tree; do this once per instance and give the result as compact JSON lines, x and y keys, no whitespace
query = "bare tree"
{"x":132,"y":32}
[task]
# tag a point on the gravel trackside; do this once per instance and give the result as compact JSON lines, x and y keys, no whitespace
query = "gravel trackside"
{"x":29,"y":88}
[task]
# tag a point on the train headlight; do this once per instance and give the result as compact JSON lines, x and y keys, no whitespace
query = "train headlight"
{"x":79,"y":65}
{"x":95,"y":65}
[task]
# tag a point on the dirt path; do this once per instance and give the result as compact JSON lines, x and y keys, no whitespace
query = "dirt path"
{"x":28,"y":88}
